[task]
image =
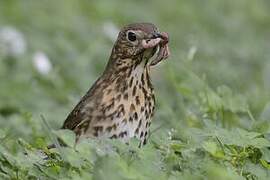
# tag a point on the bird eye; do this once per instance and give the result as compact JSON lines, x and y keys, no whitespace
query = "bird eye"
{"x":131,"y":36}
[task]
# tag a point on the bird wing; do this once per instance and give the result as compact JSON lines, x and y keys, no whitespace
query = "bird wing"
{"x":84,"y":108}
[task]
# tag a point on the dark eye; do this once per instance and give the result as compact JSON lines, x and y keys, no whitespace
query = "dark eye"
{"x":132,"y":36}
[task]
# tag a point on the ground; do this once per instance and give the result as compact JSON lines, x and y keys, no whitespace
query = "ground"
{"x":213,"y":100}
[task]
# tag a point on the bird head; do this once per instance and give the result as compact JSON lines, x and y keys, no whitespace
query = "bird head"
{"x":140,"y":41}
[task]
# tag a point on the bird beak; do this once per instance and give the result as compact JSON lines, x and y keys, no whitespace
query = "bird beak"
{"x":164,"y":36}
{"x":155,"y":39}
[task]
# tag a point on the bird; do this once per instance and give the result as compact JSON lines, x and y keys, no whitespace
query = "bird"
{"x":121,"y":102}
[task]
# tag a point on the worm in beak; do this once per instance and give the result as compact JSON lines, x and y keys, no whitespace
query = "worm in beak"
{"x":161,"y":41}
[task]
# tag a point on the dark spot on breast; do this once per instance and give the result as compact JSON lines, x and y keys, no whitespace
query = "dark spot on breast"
{"x":137,"y":99}
{"x":152,"y":114}
{"x":147,"y":124}
{"x":118,"y":86}
{"x":141,"y":135}
{"x":146,"y":114}
{"x":113,"y":136}
{"x":118,"y":97}
{"x":111,"y":116}
{"x":109,"y":129}
{"x":142,"y":79}
{"x":137,"y":131}
{"x":131,"y":81}
{"x":134,"y":90}
{"x":125,"y":68}
{"x":114,"y":126}
{"x":153,"y":98}
{"x":122,"y":134}
{"x":97,"y":130}
{"x":148,"y":81}
{"x":145,"y":93}
{"x":142,"y":108}
{"x":144,"y":141}
{"x":130,"y":119}
{"x":124,"y":121}
{"x":126,"y":96}
{"x":120,"y":110}
{"x":140,"y":123}
{"x":129,"y":72}
{"x":145,"y":134}
{"x":137,"y":63}
{"x":95,"y":134}
{"x":132,"y":107}
{"x":124,"y":86}
{"x":119,"y":80}
{"x":118,"y":115}
{"x":111,"y":105}
{"x":84,"y":125}
{"x":109,"y":91}
{"x":153,"y":107}
{"x":135,"y":116}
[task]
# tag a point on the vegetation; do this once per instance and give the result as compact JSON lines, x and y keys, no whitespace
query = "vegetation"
{"x":213,"y":93}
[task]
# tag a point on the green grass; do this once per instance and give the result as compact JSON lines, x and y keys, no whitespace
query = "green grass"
{"x":213,"y":94}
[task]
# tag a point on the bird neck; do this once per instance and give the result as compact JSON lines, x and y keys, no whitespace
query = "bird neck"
{"x":126,"y":68}
{"x":118,"y":63}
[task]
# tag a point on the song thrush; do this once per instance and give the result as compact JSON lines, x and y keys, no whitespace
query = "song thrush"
{"x":121,"y":102}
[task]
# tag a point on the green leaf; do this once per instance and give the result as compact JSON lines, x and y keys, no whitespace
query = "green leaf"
{"x":215,"y":171}
{"x":2,"y":134}
{"x":260,"y":143}
{"x":265,"y":154}
{"x":210,"y":147}
{"x":241,"y":137}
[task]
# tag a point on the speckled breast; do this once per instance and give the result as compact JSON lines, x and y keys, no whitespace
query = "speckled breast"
{"x":128,"y":106}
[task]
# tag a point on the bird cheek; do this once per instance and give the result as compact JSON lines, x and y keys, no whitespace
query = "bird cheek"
{"x":132,"y":51}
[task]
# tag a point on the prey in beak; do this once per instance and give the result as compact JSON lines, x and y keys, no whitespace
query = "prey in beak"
{"x":159,"y":41}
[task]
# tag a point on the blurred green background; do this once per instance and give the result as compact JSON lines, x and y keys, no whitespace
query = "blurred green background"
{"x":52,"y":51}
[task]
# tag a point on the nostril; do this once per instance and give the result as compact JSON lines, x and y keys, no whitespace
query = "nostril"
{"x":157,"y":35}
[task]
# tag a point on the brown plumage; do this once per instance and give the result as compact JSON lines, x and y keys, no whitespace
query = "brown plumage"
{"x":121,"y":102}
